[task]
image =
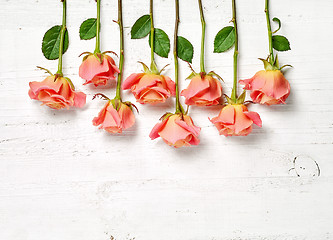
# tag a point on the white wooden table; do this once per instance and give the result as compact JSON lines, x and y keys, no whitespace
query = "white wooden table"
{"x":62,"y":178}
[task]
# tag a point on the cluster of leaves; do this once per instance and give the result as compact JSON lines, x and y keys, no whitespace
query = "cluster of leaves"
{"x":51,"y":39}
{"x":141,"y":29}
{"x":280,"y":43}
{"x":225,"y":39}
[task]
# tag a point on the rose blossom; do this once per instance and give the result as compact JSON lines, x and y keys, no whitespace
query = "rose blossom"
{"x":203,"y":91}
{"x":57,"y":93}
{"x":176,"y":130}
{"x":149,"y":87}
{"x":116,"y":118}
{"x":98,"y":69}
{"x":236,"y":120}
{"x":268,"y":87}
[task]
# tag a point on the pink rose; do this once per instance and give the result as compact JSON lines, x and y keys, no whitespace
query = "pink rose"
{"x":98,"y":71}
{"x":176,"y":130}
{"x":116,"y":118}
{"x":203,"y":91}
{"x":236,"y":120}
{"x":149,"y":87}
{"x":56,"y":94}
{"x":268,"y":87}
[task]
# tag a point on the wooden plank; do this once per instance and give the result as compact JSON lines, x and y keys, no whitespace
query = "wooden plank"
{"x":62,"y":178}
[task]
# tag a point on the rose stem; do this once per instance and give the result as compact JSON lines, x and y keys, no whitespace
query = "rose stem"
{"x":121,"y":59}
{"x":98,"y":27}
{"x":234,"y":89}
{"x":179,"y":108}
{"x":62,"y":36}
{"x":203,"y":31}
{"x":270,"y":39}
{"x":152,"y":36}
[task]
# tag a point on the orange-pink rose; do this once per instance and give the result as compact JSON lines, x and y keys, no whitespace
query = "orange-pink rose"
{"x":56,"y":94}
{"x":149,"y":87}
{"x":176,"y":130}
{"x":268,"y":87}
{"x":203,"y":91}
{"x":236,"y":120}
{"x":115,"y":119}
{"x":98,"y":70}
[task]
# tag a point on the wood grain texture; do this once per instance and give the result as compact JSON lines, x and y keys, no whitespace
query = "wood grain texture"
{"x":62,"y":178}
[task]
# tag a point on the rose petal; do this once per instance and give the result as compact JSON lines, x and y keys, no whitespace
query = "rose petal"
{"x":247,"y":83}
{"x":47,"y":83}
{"x":151,"y":96}
{"x":112,"y":64}
{"x":171,"y":85}
{"x":227,"y":114}
{"x":259,"y":80}
{"x":127,"y":116}
{"x":79,"y":99}
{"x":254,"y":117}
{"x":172,"y":132}
{"x":147,"y":81}
{"x":281,"y":86}
{"x":241,"y":120}
{"x":196,"y":86}
{"x":111,"y":119}
{"x":154,"y":132}
{"x":188,"y":125}
{"x":132,"y":79}
{"x":91,"y":67}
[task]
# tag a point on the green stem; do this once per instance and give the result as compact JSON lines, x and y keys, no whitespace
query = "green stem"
{"x":270,"y":39}
{"x":62,"y":37}
{"x":203,"y":33}
{"x":179,"y":108}
{"x":98,"y":27}
{"x":152,"y":35}
{"x":234,"y":20}
{"x":121,"y":59}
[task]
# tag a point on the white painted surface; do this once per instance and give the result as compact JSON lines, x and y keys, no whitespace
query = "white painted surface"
{"x":62,"y":178}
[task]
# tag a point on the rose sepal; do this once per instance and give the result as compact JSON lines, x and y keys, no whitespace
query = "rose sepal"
{"x":214,"y":74}
{"x":273,"y":66}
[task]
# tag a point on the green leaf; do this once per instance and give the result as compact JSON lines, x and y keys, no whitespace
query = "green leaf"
{"x":161,"y":43}
{"x":51,"y":42}
{"x":184,"y":49}
{"x":278,"y":22}
{"x":88,"y":29}
{"x":141,"y":27}
{"x":224,"y":39}
{"x":281,"y":43}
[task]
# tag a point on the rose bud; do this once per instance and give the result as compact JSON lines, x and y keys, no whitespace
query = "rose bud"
{"x":150,"y":86}
{"x":56,"y":92}
{"x":203,"y":90}
{"x":115,"y":116}
{"x":268,"y":86}
{"x":98,"y":69}
{"x":235,"y":120}
{"x":176,"y":130}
